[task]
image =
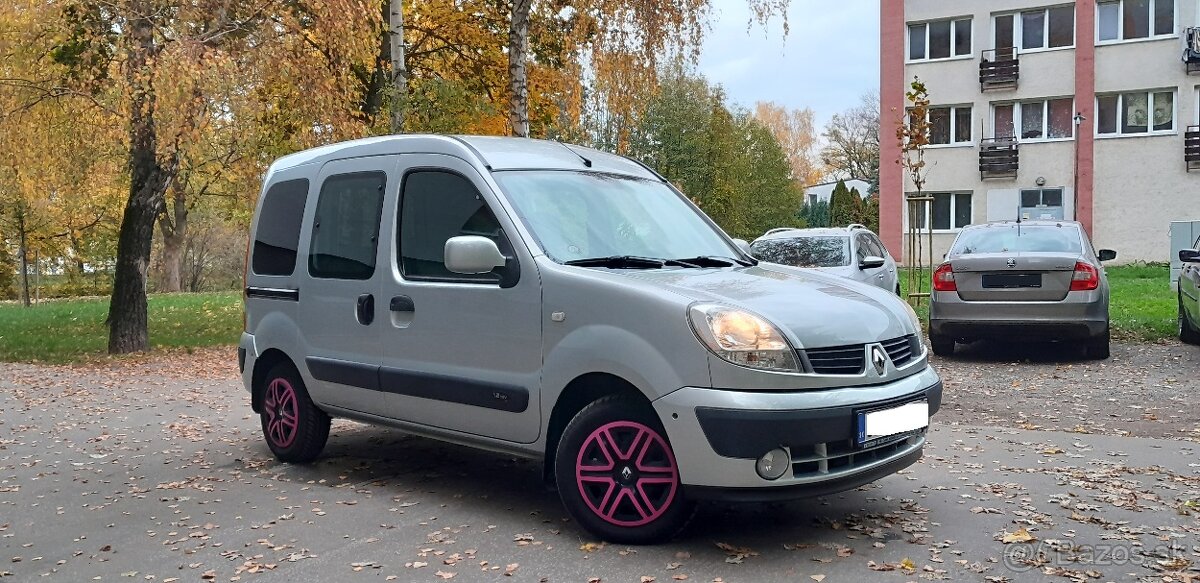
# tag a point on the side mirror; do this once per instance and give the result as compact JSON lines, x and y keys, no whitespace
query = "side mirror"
{"x":870,"y":262}
{"x":1106,"y":254}
{"x":472,"y":254}
{"x":1189,"y":256}
{"x":743,"y":245}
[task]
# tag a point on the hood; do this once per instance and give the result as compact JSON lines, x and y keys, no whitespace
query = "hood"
{"x":815,"y":309}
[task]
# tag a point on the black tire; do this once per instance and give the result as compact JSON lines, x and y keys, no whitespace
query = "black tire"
{"x":1097,"y":347}
{"x":295,"y":429}
{"x":631,"y":497}
{"x":1187,"y":332}
{"x":941,"y":345}
{"x":898,"y":290}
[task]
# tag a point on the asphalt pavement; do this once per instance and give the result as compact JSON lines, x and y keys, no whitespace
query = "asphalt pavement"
{"x":155,"y":470}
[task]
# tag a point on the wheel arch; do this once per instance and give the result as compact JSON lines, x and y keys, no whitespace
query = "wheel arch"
{"x":262,"y":365}
{"x":579,"y":393}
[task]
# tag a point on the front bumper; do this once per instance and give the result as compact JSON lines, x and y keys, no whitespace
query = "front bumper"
{"x":717,"y":436}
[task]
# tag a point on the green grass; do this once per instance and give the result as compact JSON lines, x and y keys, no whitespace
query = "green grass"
{"x":1142,"y":305}
{"x":1142,"y":308}
{"x":73,"y":330}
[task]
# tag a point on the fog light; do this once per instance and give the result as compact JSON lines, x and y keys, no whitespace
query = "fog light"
{"x":773,"y":464}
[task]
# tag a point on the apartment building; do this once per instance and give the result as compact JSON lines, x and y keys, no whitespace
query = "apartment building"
{"x":1041,"y":109}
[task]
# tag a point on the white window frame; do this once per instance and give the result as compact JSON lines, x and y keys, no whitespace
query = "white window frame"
{"x":1019,"y":33}
{"x":953,"y":203}
{"x":953,"y":28}
{"x":1120,"y":29}
{"x":953,"y":126}
{"x":1045,"y":119}
{"x":1150,"y":131}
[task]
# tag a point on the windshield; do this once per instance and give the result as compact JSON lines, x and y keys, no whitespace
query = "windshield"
{"x":581,"y":215}
{"x":804,"y":251}
{"x":1018,"y":238}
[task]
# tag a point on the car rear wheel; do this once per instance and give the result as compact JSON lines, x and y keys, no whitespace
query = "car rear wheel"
{"x":941,"y":345}
{"x":1097,"y":348}
{"x":1187,"y":333}
{"x":295,"y":429}
{"x":617,"y":475}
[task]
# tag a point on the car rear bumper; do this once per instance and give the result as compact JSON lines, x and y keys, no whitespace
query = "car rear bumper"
{"x":1079,"y":315}
{"x":718,"y":435}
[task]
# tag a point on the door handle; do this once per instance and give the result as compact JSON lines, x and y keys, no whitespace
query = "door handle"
{"x":366,"y":309}
{"x":402,"y":304}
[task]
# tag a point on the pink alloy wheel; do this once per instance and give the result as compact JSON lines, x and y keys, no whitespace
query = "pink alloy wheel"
{"x":282,"y":412}
{"x":626,"y":473}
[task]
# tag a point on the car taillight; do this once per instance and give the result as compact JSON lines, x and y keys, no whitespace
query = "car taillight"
{"x":1085,"y":277}
{"x":943,"y":278}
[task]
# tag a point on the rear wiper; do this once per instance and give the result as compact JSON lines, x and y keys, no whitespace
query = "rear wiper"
{"x":619,"y":262}
{"x":716,"y":261}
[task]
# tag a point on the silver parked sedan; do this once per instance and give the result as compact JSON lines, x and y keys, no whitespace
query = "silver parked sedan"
{"x":1020,"y":280}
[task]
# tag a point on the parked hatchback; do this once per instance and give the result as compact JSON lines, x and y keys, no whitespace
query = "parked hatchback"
{"x":567,"y":305}
{"x":1021,"y":280}
{"x":852,"y":252}
{"x":1189,"y":294}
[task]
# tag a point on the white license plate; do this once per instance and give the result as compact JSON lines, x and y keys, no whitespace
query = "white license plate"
{"x":873,"y":425}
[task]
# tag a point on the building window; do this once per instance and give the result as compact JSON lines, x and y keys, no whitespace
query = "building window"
{"x":1036,"y":29}
{"x":1042,"y":203}
{"x":950,"y":125}
{"x":951,"y":210}
{"x":1133,"y":19}
{"x":1046,"y":119}
{"x":1140,"y":112}
{"x":940,"y":39}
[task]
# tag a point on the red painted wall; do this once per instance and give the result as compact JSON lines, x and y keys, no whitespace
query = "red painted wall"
{"x":891,"y":105}
{"x":1085,"y":103}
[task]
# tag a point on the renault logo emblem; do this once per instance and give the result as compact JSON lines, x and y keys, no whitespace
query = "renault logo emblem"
{"x":878,"y":359}
{"x":1012,"y":262}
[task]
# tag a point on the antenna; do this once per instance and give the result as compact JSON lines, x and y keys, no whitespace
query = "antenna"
{"x":586,"y":162}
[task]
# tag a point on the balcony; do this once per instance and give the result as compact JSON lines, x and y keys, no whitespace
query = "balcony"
{"x":999,"y":69}
{"x":1191,"y":50}
{"x":998,"y":158}
{"x":1191,"y":148}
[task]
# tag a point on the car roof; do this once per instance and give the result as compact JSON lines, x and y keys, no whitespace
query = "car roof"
{"x":493,"y":153}
{"x":811,"y":232}
{"x":1030,"y":223}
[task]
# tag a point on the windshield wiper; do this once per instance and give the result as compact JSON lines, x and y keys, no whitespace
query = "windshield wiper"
{"x":619,"y":262}
{"x":716,"y":261}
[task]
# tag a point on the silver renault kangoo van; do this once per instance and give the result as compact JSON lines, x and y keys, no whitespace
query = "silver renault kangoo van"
{"x":568,"y":305}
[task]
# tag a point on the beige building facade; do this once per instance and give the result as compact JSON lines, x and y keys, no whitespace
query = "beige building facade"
{"x":1042,"y":109}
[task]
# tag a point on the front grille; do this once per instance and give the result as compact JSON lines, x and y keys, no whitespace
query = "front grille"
{"x":901,"y":350}
{"x":837,"y":359}
{"x":833,"y":457}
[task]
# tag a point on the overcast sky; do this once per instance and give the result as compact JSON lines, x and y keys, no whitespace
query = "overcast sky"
{"x":829,"y":59}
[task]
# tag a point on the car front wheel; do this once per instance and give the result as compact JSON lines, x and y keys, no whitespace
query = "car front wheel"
{"x":617,"y":475}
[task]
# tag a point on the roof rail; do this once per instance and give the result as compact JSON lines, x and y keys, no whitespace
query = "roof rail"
{"x":778,"y":230}
{"x":856,"y":226}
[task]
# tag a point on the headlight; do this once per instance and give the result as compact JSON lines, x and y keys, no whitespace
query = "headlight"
{"x":742,"y":338}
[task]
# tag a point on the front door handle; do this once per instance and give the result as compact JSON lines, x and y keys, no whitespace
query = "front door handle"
{"x":366,"y":309}
{"x":402,"y":304}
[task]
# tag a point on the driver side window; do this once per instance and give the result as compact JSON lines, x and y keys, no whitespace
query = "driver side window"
{"x":436,"y":205}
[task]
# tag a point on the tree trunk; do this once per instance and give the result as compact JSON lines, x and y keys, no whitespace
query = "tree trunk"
{"x":399,"y":69}
{"x":24,"y":244}
{"x":518,"y":49}
{"x":148,"y":182}
{"x":174,"y":227}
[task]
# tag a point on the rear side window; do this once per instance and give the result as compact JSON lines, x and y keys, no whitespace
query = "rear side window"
{"x":278,"y":232}
{"x":805,"y":251}
{"x":345,"y":230}
{"x":436,"y":206}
